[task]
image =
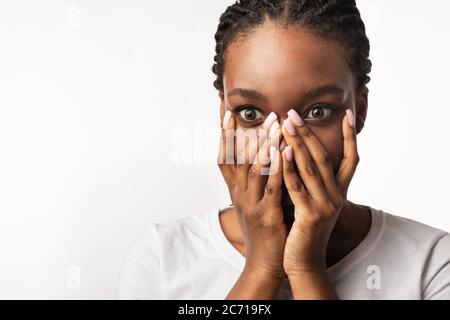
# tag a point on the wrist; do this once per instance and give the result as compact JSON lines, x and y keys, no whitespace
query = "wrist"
{"x":305,"y":266}
{"x":255,"y":283}
{"x":306,"y":272}
{"x":313,"y":284}
{"x":260,"y":272}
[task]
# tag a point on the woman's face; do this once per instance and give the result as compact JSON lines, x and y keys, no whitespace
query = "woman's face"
{"x":275,"y":68}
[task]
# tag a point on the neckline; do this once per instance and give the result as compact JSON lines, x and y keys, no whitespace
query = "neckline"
{"x":336,"y":271}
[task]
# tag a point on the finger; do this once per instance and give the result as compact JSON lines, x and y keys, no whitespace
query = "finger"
{"x":275,"y":135}
{"x":260,"y":169}
{"x":350,"y":158}
{"x":257,"y":171}
{"x":272,"y":191}
{"x":283,"y":144}
{"x":294,"y":186}
{"x":317,"y":151}
{"x":246,"y":149}
{"x":308,"y":171}
{"x":226,"y":159}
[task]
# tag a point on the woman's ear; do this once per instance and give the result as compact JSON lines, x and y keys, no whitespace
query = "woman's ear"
{"x":361,"y":108}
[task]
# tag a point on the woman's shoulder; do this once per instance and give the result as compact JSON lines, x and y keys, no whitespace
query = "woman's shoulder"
{"x":161,"y":247}
{"x":192,"y":224}
{"x":401,"y":230}
{"x":185,"y":230}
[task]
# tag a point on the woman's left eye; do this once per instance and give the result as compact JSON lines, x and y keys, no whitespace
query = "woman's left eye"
{"x":250,"y":114}
{"x":320,"y":112}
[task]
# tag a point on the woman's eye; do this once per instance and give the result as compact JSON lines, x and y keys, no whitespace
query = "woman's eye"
{"x":250,"y":114}
{"x":320,"y":112}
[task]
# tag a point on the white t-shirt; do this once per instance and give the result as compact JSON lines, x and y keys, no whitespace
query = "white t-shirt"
{"x":190,"y":258}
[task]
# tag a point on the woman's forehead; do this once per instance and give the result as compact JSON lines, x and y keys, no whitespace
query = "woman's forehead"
{"x":289,"y":58}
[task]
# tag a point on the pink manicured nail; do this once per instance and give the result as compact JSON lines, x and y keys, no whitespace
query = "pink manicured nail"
{"x":295,"y":117}
{"x":269,"y":120}
{"x":289,"y":126}
{"x":288,"y":153}
{"x":226,"y":119}
{"x":350,"y":118}
{"x":273,"y":129}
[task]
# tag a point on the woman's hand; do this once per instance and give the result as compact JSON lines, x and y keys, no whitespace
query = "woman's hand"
{"x":318,"y":195}
{"x":256,"y":196}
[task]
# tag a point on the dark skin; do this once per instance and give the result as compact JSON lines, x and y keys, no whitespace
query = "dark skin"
{"x":311,"y":227}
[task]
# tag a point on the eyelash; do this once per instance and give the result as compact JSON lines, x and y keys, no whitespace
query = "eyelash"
{"x":239,"y":109}
{"x":332,"y":108}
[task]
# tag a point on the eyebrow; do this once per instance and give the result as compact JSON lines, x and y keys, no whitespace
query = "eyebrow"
{"x":311,"y":94}
{"x":247,"y":93}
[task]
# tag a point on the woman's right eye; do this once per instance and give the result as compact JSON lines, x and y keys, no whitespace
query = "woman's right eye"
{"x":250,"y":114}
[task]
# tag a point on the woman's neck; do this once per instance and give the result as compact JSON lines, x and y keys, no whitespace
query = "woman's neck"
{"x":351,"y":228}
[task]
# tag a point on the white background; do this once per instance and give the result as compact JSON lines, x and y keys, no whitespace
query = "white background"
{"x":95,"y":94}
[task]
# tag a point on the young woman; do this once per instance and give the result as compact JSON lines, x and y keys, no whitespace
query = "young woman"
{"x":297,"y":70}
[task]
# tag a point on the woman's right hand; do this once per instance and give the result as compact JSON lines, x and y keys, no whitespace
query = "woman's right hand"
{"x":255,"y":189}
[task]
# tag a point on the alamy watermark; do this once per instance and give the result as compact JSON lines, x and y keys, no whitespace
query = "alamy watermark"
{"x":73,"y":277}
{"x":237,"y":146}
{"x":374,"y":279}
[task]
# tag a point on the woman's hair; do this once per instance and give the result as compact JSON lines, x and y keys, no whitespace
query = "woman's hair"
{"x":337,"y":20}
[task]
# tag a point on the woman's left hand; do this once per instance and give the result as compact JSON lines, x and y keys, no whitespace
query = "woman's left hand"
{"x":317,"y":207}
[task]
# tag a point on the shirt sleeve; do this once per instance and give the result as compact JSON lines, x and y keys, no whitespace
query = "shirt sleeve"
{"x":436,"y":276}
{"x":141,"y":276}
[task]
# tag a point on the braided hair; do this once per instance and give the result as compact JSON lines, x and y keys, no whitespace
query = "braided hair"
{"x":337,"y":20}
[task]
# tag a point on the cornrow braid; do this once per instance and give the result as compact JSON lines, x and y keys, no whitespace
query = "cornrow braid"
{"x":338,"y":20}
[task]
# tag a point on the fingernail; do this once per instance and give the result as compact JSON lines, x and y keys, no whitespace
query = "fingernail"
{"x":273,"y":129}
{"x":350,"y":118}
{"x":289,"y":126}
{"x":269,"y":120}
{"x":273,"y":152}
{"x":283,"y":145}
{"x":226,"y":119}
{"x":295,"y":117}
{"x":288,"y":153}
